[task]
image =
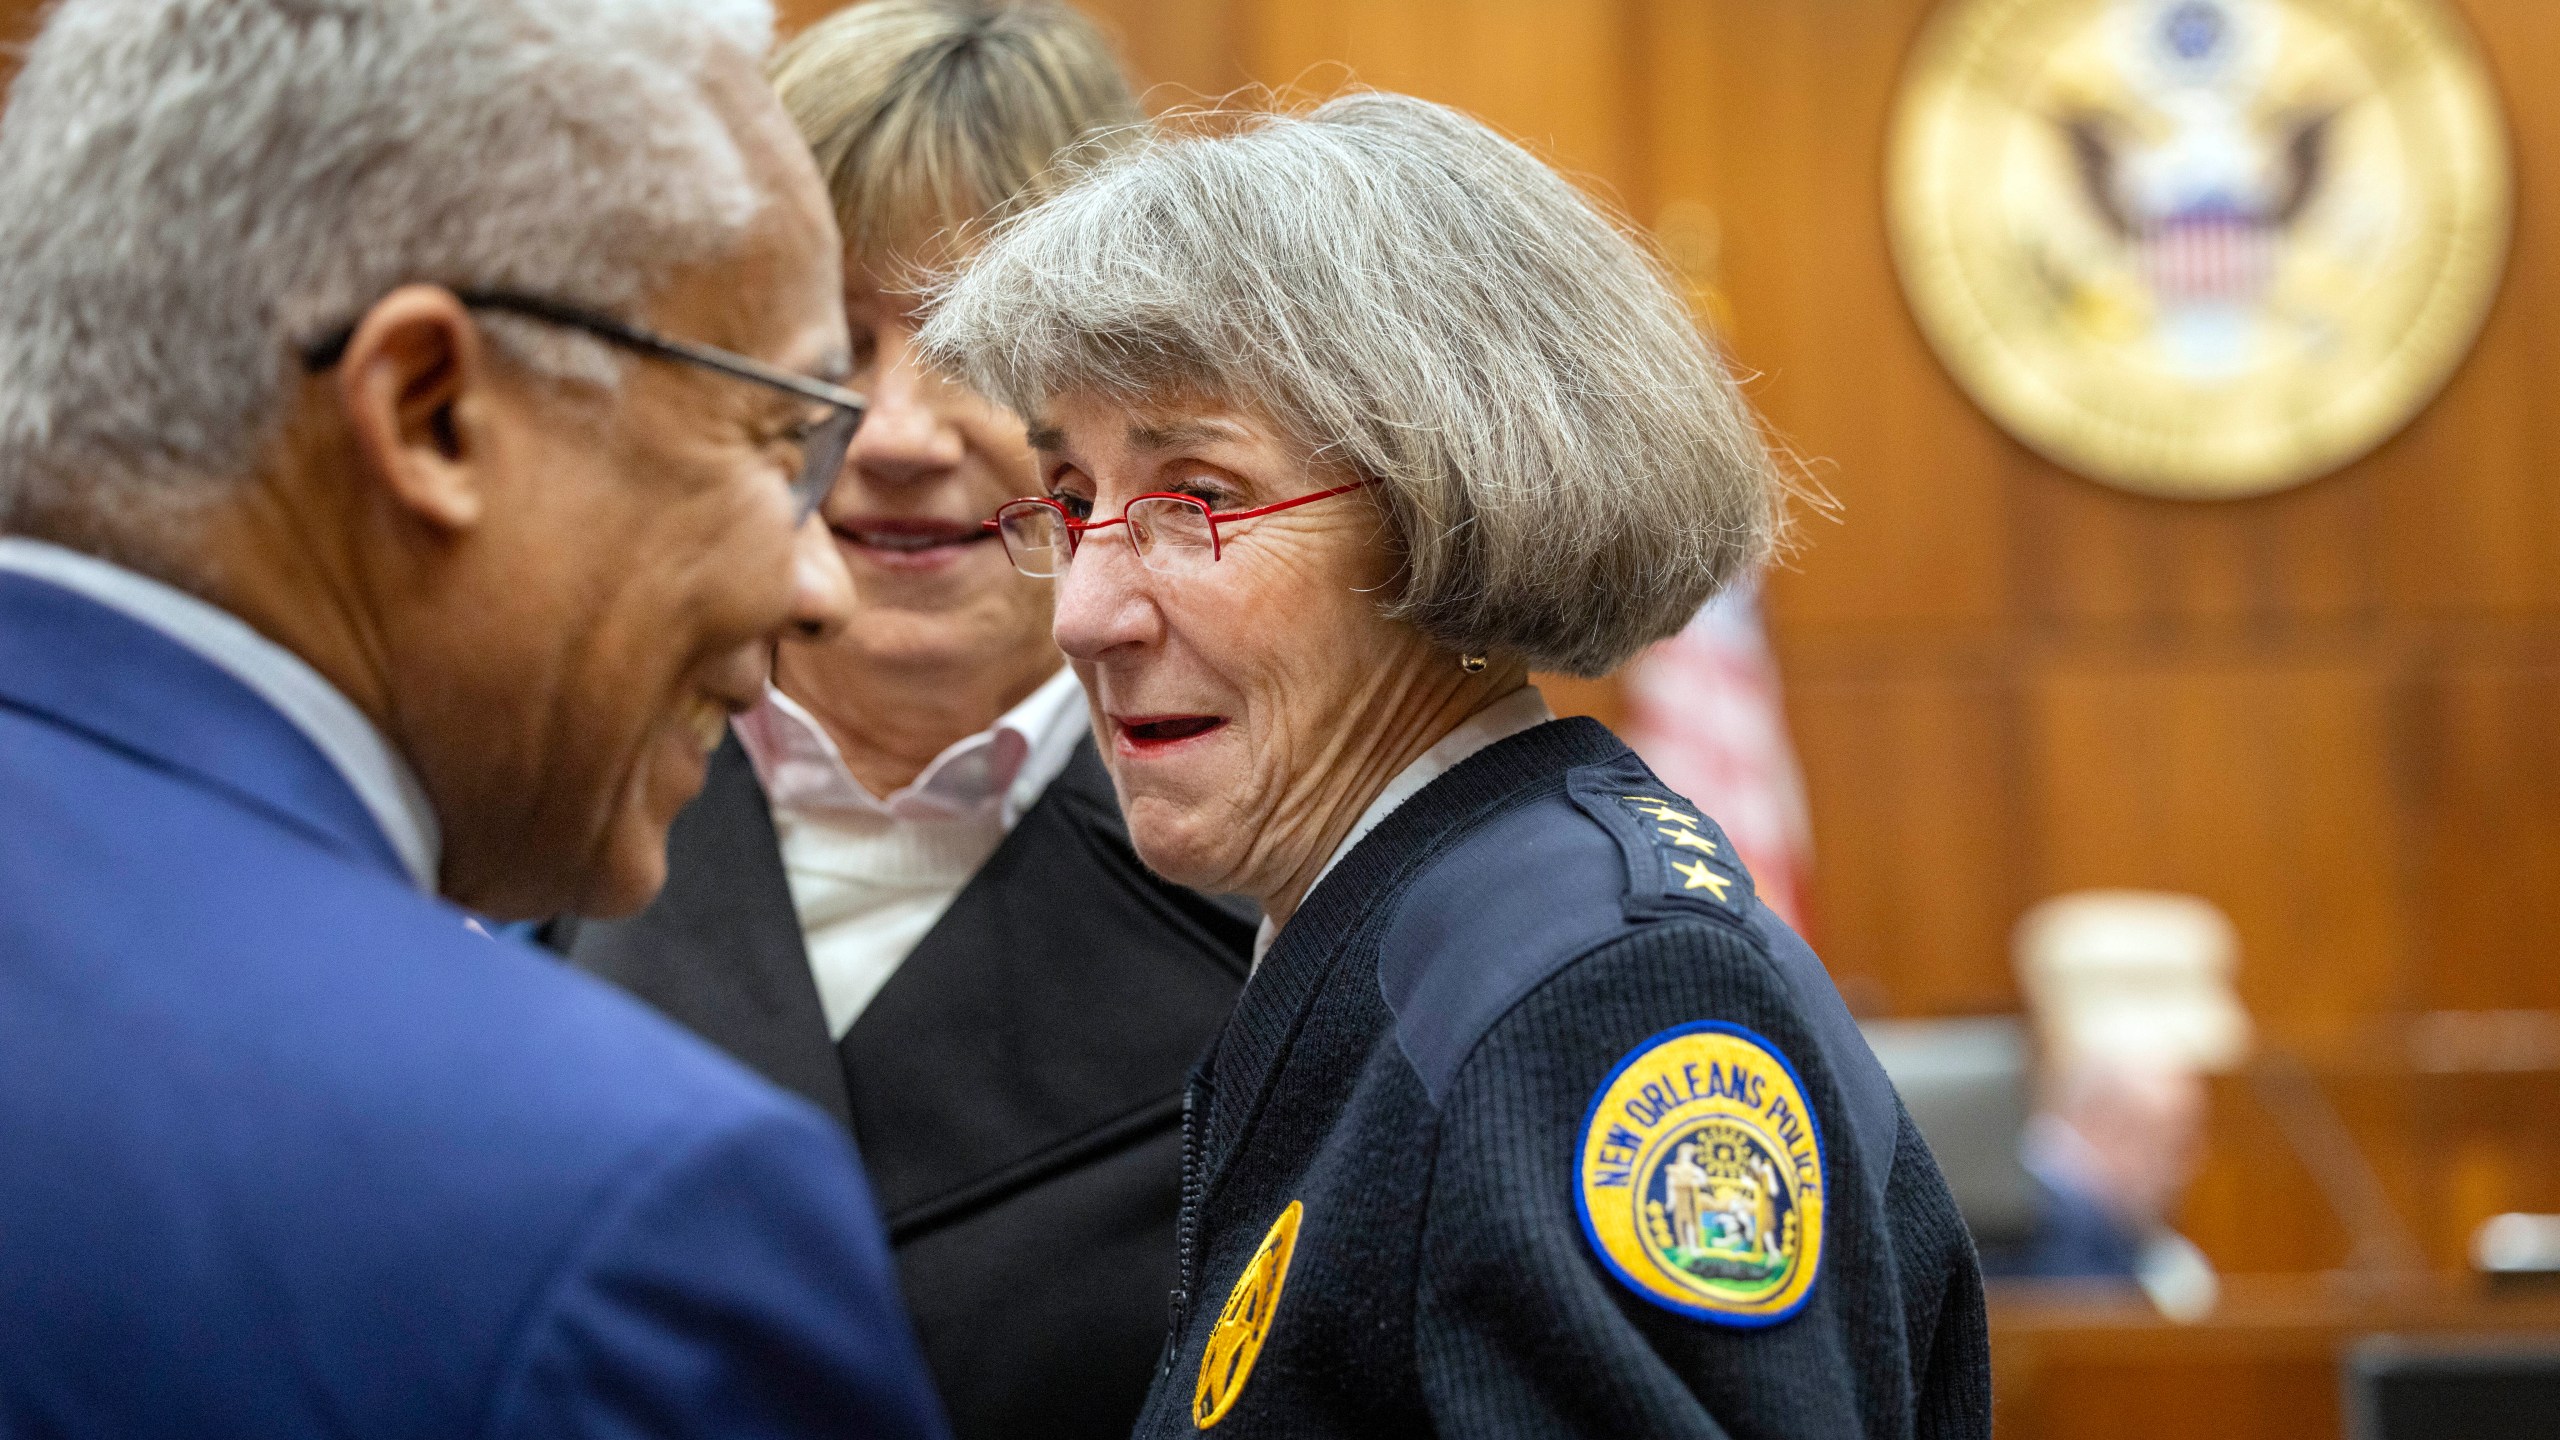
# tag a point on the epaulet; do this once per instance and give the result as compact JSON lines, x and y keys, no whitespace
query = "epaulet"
{"x":1678,"y":861}
{"x":1536,"y":888}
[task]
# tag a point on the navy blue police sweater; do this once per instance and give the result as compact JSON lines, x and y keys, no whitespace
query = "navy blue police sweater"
{"x":1534,"y":1122}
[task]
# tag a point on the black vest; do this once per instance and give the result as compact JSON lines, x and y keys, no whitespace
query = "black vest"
{"x":1015,"y":1088}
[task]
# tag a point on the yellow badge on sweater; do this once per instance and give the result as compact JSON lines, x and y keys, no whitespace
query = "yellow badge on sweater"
{"x":1700,"y":1180}
{"x":1236,"y":1341}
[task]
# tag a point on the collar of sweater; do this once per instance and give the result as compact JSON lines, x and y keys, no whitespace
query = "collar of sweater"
{"x":1356,"y":900}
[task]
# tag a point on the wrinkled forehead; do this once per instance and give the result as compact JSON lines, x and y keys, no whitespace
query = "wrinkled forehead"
{"x":1099,"y":422}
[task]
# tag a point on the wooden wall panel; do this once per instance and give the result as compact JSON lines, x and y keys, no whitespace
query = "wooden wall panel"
{"x":2480,"y":746}
{"x":2206,"y":778}
{"x":1550,"y":75}
{"x":1920,"y":792}
{"x":2096,"y":561}
{"x":1184,"y":52}
{"x":1770,"y":118}
{"x":2476,"y":526}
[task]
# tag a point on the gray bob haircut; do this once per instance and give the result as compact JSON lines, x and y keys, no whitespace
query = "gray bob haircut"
{"x":189,"y":189}
{"x":1567,"y":467}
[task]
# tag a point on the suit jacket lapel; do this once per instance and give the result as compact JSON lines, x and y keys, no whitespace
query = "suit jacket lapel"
{"x":719,"y":951}
{"x":127,"y":685}
{"x":1047,"y":1018}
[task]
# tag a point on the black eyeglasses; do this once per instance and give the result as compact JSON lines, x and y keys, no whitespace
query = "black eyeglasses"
{"x":824,"y":443}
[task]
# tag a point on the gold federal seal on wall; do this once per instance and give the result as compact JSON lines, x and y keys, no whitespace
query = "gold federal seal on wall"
{"x":1235,"y":1342}
{"x":1701,"y":1181}
{"x":2199,"y":248}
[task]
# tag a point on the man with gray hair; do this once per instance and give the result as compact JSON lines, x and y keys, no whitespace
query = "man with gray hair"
{"x":410,"y":417}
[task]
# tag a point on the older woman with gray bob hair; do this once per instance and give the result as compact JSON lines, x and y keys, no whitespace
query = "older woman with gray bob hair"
{"x":1532,"y":1120}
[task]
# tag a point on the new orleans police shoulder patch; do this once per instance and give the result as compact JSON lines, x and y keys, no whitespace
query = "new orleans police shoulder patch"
{"x":1699,"y":1176}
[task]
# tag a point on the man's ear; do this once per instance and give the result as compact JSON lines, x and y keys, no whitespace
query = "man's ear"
{"x":411,"y":373}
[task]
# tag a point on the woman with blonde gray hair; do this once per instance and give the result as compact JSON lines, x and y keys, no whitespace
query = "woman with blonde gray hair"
{"x":1532,"y":1120}
{"x":906,"y":891}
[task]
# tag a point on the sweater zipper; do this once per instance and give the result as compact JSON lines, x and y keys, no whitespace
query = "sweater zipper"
{"x":1187,"y":1223}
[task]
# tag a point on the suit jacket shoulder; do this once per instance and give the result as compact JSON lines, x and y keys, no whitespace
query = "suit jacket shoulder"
{"x":314,"y":1157}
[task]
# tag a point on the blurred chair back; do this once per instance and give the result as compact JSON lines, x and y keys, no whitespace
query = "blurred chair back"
{"x":1965,"y":1084}
{"x":2475,"y":1388}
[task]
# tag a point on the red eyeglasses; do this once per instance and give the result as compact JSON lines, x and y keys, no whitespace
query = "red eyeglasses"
{"x":1171,"y":533}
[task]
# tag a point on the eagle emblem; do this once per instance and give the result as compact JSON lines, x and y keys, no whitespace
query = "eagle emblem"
{"x":2199,"y":247}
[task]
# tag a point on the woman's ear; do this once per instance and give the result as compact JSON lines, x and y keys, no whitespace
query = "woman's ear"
{"x":413,"y":368}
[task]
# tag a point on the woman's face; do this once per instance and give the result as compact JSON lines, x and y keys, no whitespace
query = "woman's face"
{"x":1250,"y":709}
{"x":932,"y":460}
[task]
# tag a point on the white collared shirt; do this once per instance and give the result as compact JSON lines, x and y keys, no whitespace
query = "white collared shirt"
{"x":380,"y":778}
{"x":871,"y":876}
{"x":1522,"y":709}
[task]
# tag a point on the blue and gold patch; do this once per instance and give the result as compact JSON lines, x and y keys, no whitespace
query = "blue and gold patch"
{"x":1699,"y":1176}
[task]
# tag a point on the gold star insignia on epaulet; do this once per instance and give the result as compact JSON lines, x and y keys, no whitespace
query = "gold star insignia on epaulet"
{"x":1701,"y":878}
{"x":1688,"y":839}
{"x":1647,"y":805}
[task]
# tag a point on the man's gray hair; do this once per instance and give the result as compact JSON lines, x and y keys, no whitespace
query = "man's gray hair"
{"x":1567,"y":467}
{"x":192,"y":189}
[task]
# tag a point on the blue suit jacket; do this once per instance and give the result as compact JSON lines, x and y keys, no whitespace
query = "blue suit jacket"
{"x":286,"y":1150}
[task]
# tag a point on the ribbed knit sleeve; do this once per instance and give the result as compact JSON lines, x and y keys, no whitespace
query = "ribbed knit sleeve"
{"x":1949,"y":1355}
{"x":1520,"y":1330}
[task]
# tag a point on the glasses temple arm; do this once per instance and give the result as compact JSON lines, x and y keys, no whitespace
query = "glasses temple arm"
{"x":1290,"y":504}
{"x":639,"y":338}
